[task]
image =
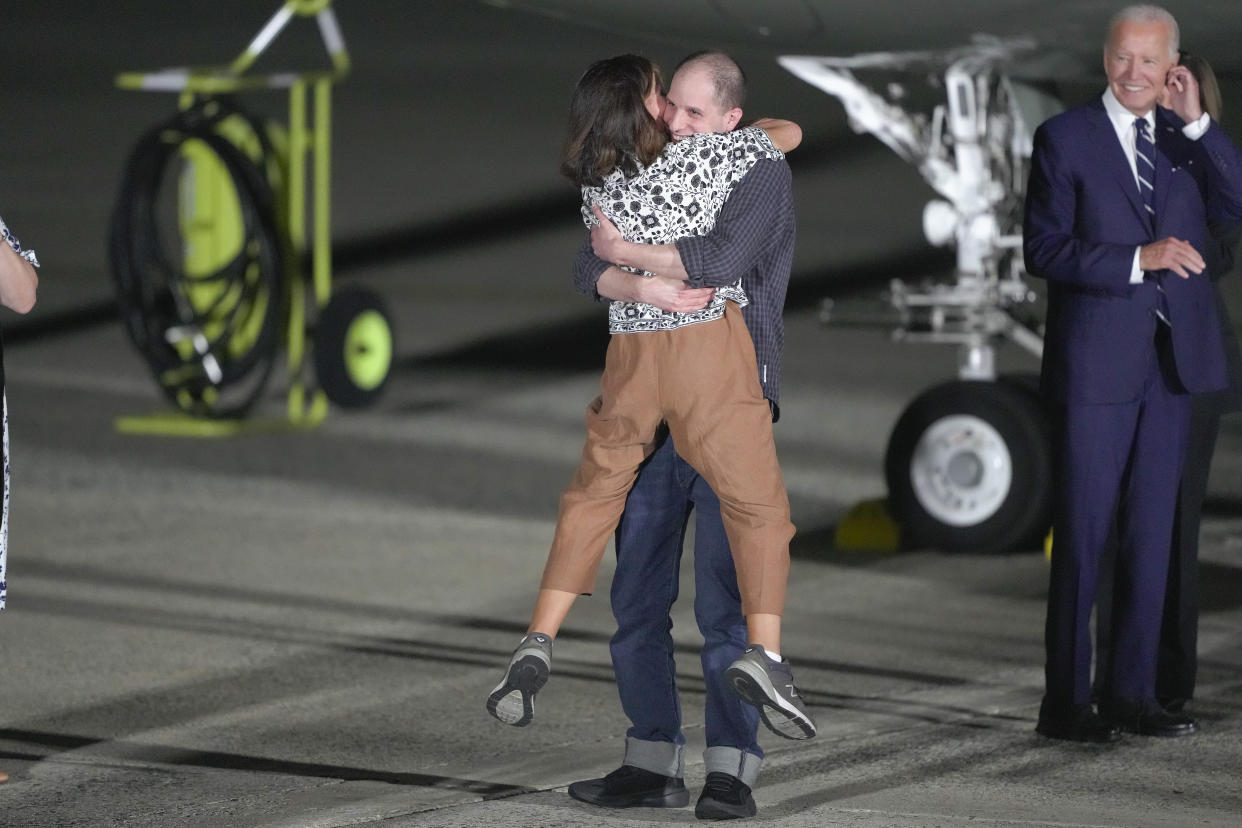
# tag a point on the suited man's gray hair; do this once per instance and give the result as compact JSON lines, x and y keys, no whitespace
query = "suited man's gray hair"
{"x":1146,"y":13}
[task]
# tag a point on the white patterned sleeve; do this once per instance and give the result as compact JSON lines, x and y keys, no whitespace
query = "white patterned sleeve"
{"x":11,"y":241}
{"x":751,"y":144}
{"x":730,"y":155}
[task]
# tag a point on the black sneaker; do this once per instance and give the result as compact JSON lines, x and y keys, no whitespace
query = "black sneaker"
{"x":725,"y":797}
{"x":513,"y":700}
{"x":631,"y":787}
{"x":768,"y":685}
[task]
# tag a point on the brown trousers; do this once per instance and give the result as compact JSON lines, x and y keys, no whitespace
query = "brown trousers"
{"x":703,"y":381}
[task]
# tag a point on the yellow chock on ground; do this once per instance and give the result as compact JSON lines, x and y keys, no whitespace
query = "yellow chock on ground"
{"x":867,"y":527}
{"x":1048,"y":545}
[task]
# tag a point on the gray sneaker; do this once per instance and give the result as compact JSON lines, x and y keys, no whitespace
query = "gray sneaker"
{"x":768,"y":685}
{"x":513,"y":700}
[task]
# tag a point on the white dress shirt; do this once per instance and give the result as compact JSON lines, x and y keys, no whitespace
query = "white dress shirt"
{"x":1123,"y":122}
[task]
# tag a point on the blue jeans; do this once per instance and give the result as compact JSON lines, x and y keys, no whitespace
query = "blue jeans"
{"x":649,"y":544}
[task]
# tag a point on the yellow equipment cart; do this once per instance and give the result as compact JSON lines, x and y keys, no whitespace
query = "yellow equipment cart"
{"x":213,"y":264}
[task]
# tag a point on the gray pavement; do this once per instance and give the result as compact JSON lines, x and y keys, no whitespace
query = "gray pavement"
{"x":299,"y":628}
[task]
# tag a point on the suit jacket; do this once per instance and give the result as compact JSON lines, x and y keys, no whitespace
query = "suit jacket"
{"x":1084,"y":219}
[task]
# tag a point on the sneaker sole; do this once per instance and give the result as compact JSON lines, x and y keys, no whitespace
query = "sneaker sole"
{"x":671,"y":799}
{"x":513,"y":700}
{"x":751,"y":683}
{"x":715,"y":809}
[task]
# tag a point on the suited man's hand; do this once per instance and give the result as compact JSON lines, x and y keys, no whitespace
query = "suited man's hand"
{"x":1171,"y":254}
{"x":1182,"y":94}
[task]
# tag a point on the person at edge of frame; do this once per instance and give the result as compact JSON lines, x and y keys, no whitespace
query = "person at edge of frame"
{"x":18,"y":290}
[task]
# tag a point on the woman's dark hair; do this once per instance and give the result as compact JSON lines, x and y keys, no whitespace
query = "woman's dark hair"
{"x":609,"y":125}
{"x":1209,"y":88}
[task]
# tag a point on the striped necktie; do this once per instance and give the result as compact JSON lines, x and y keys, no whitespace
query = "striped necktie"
{"x":1145,"y":164}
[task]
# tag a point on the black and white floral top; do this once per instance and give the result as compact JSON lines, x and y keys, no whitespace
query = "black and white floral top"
{"x":29,"y":255}
{"x":678,"y":195}
{"x":11,"y":241}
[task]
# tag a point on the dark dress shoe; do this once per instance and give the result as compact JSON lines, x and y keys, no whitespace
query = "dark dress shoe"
{"x":1078,"y":723}
{"x":1173,"y":704}
{"x":1147,"y":718}
{"x":631,"y":787}
{"x":725,"y":797}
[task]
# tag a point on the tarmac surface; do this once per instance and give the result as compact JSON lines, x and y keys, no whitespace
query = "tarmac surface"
{"x":300,"y":627}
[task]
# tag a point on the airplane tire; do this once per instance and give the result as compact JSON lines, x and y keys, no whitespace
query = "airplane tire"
{"x":969,"y":468}
{"x":353,"y":348}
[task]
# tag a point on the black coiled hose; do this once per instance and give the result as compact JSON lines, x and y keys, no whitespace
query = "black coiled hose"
{"x":210,"y":339}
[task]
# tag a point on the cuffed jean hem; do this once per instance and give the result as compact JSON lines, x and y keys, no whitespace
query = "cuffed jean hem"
{"x":664,"y":758}
{"x":735,"y":762}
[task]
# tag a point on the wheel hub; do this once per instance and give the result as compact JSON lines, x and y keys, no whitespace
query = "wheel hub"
{"x":965,"y":470}
{"x":368,"y":350}
{"x":961,"y":470}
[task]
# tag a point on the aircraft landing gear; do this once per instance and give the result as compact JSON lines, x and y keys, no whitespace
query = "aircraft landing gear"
{"x":969,"y":468}
{"x":968,"y":464}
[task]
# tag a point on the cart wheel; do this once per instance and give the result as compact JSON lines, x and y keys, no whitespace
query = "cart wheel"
{"x":969,"y":468}
{"x":353,"y":348}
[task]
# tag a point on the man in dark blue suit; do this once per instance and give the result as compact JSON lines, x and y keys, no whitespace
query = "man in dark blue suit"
{"x":1118,"y":203}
